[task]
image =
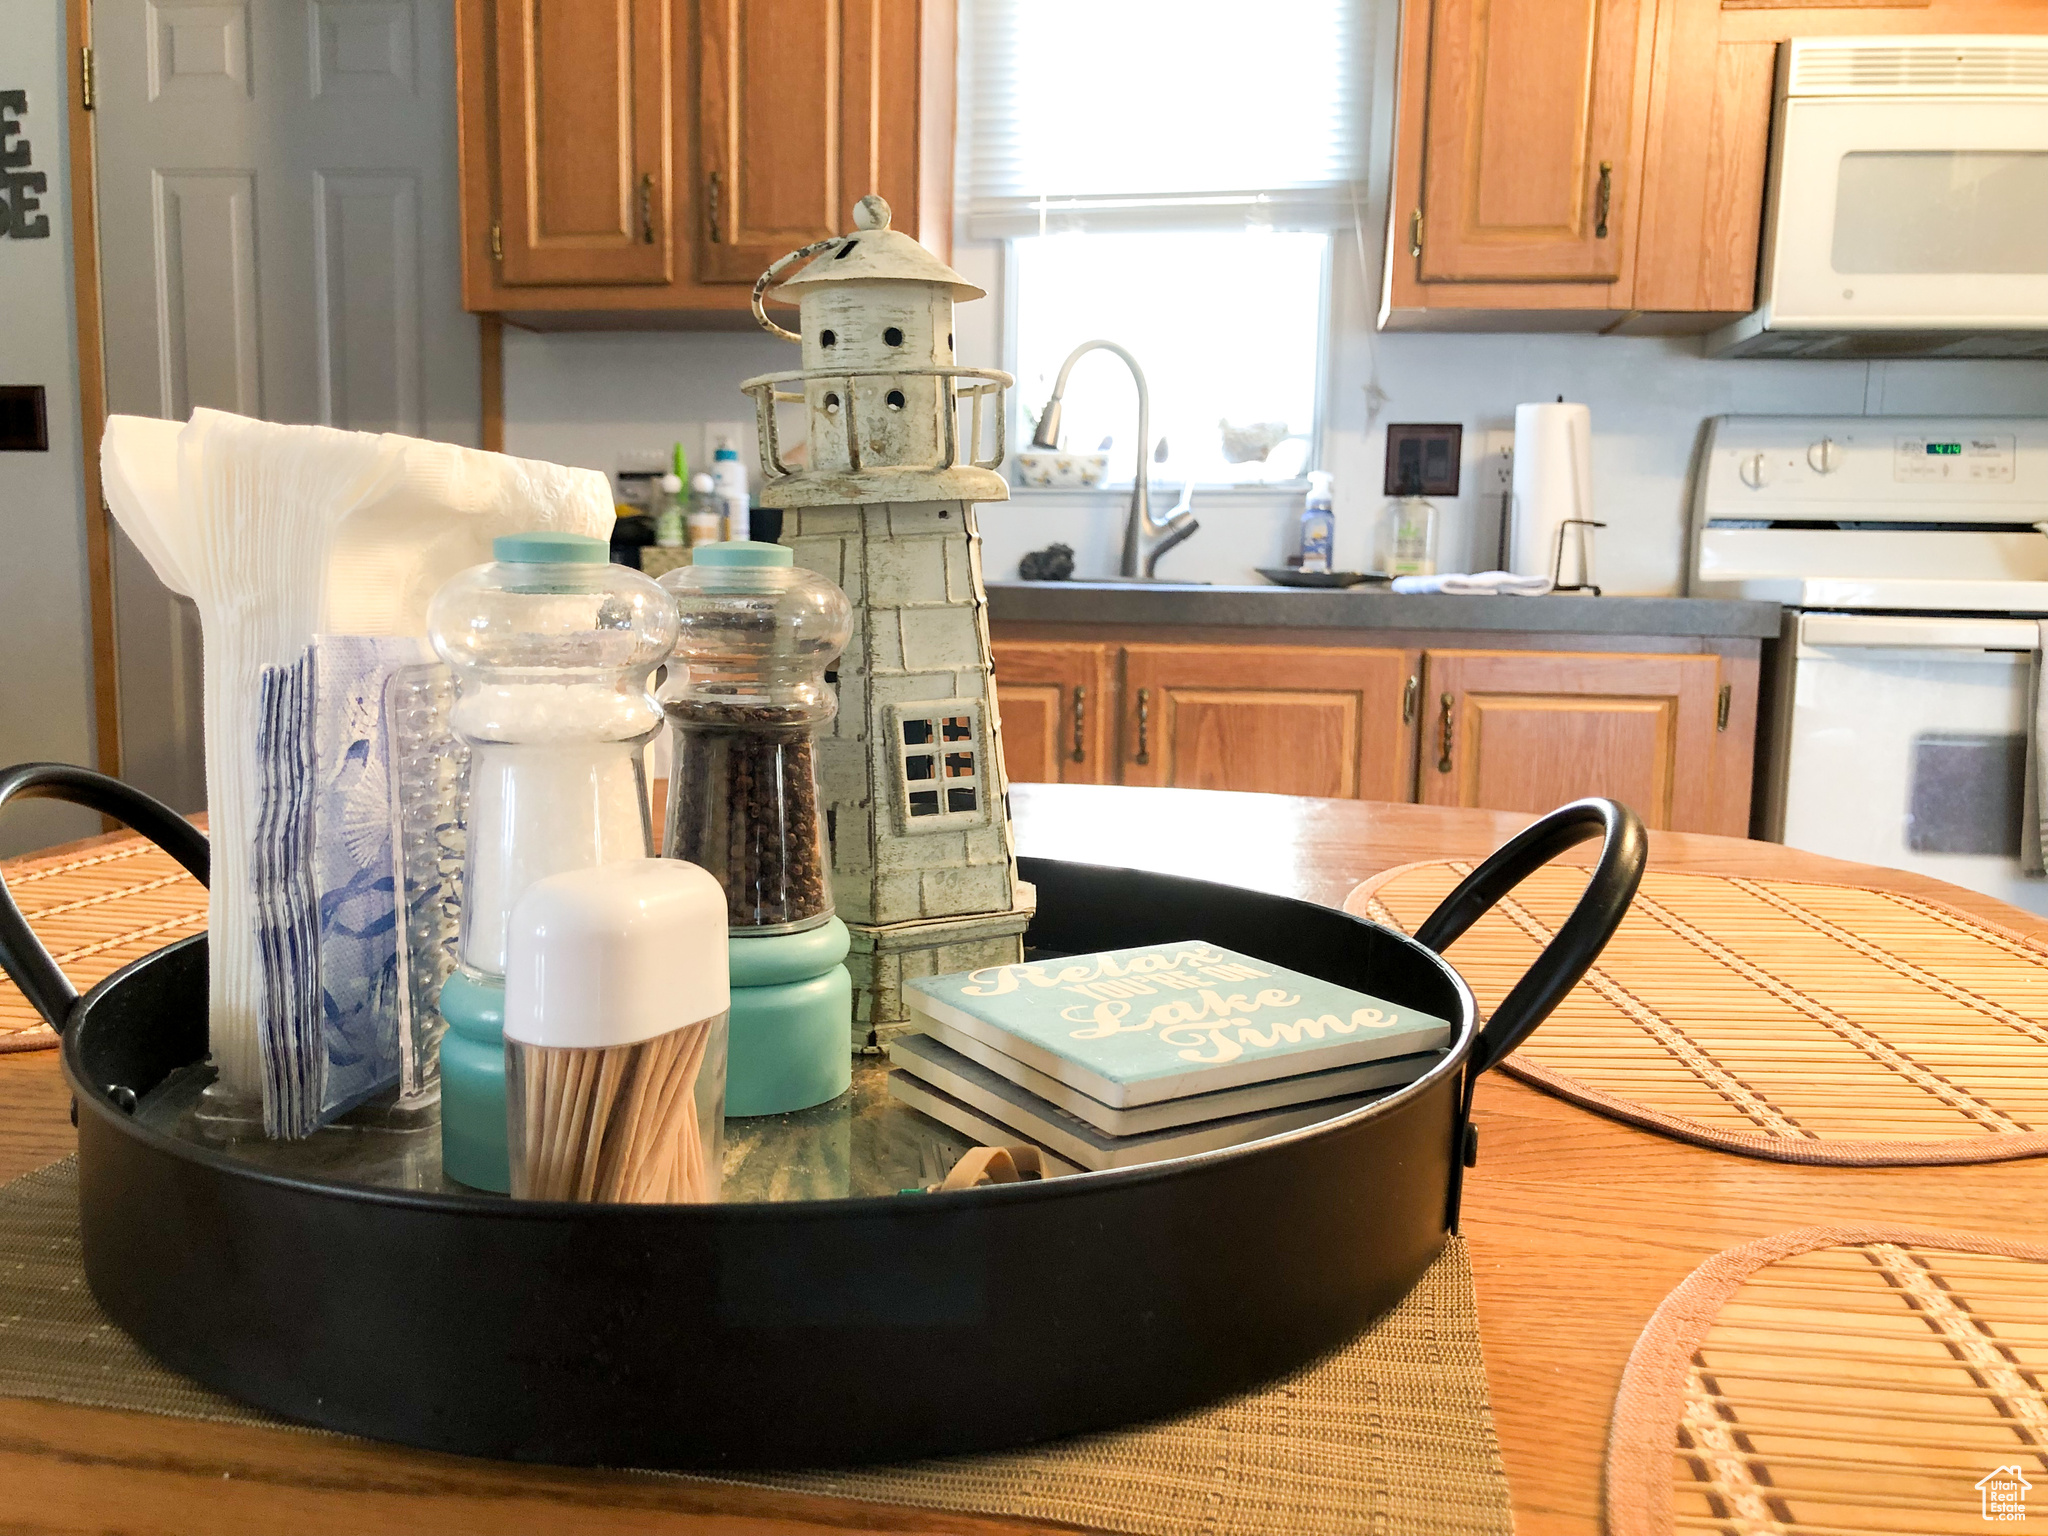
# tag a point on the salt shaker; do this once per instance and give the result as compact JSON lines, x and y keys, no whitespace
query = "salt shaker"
{"x":552,"y":647}
{"x":745,"y":697}
{"x":615,"y":1035}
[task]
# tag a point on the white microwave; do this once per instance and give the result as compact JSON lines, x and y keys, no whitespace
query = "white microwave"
{"x":1906,"y":213}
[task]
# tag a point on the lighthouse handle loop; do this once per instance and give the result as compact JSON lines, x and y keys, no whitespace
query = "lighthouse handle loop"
{"x":769,"y":279}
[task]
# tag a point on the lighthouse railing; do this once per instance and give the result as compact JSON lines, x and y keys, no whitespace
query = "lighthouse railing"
{"x":978,"y":386}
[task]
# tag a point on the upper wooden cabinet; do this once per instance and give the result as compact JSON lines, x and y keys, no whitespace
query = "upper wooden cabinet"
{"x":582,"y":141}
{"x":798,"y":115}
{"x":1532,"y":144}
{"x":641,"y":162}
{"x":1508,"y":110}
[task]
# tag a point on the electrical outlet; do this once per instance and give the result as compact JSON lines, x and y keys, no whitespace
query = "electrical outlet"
{"x":1497,"y":462}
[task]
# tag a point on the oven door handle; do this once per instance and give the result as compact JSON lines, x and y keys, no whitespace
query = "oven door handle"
{"x":1829,"y":631}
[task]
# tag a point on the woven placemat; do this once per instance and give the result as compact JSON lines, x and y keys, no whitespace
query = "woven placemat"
{"x":95,"y":911}
{"x":1392,"y":1434}
{"x":1805,"y":1022}
{"x":1848,"y":1379}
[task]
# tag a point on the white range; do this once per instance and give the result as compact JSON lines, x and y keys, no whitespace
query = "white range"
{"x":1912,"y":557}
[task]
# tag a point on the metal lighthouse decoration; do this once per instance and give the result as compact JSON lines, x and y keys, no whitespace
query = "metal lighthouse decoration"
{"x":924,"y":869}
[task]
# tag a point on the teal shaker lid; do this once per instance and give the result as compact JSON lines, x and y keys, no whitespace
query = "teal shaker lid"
{"x":550,"y":548}
{"x":740,"y":552}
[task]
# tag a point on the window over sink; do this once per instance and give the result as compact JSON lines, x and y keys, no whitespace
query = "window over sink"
{"x":1168,"y":178}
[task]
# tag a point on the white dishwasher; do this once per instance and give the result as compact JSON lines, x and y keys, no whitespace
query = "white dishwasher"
{"x":1895,"y":719}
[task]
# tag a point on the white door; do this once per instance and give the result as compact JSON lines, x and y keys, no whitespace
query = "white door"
{"x":1907,"y":747}
{"x":277,"y":202}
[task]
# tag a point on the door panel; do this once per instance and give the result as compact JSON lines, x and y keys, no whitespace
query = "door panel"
{"x":1056,"y":702}
{"x":1278,"y":719}
{"x":1530,"y":162}
{"x":583,"y":140}
{"x":794,"y":125}
{"x":1528,"y":731}
{"x":277,"y":221}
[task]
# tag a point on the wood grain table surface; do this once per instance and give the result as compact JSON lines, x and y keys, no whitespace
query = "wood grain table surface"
{"x":1578,"y":1227}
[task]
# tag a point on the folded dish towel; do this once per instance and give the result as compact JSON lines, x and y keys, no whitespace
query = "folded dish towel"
{"x":1485,"y":584}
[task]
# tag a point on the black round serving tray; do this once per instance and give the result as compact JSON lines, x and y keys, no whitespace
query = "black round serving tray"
{"x":813,"y":1332}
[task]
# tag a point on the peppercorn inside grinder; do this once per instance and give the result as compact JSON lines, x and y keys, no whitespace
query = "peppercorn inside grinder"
{"x":552,"y":648}
{"x":745,"y":698}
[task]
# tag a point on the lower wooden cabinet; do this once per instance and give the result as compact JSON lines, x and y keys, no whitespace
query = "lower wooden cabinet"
{"x":1668,"y":733}
{"x":1527,"y":730}
{"x":1057,"y":699}
{"x":1293,"y":720}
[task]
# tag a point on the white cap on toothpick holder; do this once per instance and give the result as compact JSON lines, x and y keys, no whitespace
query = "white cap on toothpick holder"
{"x":617,"y":990}
{"x":615,"y":954}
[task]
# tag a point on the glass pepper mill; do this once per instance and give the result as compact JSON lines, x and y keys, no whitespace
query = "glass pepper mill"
{"x":552,"y":648}
{"x":746,"y":698}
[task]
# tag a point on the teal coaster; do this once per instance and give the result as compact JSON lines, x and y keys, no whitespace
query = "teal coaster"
{"x":791,"y":1042}
{"x":473,"y":1083}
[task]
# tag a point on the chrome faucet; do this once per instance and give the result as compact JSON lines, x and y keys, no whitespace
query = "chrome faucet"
{"x":1146,"y":537}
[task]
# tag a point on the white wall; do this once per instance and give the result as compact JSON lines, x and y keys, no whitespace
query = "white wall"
{"x":45,"y":644}
{"x":1648,"y":399}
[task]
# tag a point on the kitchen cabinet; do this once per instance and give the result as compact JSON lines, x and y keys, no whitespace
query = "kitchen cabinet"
{"x":1311,"y":720}
{"x":1520,"y":731}
{"x":1533,"y":135}
{"x":581,"y":141}
{"x":639,"y":163}
{"x":1057,"y":700}
{"x":1500,"y":722}
{"x":1508,"y":109}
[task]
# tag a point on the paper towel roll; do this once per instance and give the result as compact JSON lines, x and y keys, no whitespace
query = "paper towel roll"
{"x":1553,"y":484}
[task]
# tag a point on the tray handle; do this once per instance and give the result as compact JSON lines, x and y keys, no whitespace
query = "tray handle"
{"x":1568,"y":956}
{"x":22,"y":955}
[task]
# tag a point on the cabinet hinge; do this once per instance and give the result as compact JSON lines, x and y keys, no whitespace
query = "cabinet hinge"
{"x":86,"y":83}
{"x":497,"y":241}
{"x":1415,"y":235}
{"x":1721,"y":707}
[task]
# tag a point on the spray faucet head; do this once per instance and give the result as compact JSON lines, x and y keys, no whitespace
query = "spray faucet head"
{"x":1048,"y":433}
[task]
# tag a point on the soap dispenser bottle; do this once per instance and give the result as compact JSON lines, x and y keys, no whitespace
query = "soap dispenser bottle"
{"x":1318,"y":524}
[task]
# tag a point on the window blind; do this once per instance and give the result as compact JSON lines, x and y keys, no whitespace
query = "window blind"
{"x":1135,"y":114}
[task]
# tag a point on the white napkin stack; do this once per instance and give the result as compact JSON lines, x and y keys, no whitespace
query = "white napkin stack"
{"x":279,"y":533}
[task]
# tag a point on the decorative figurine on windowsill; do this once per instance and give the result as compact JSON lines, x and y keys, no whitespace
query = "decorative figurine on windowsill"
{"x":924,"y":869}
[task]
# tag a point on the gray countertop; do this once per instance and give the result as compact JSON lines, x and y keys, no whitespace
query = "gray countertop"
{"x":1267,"y":607}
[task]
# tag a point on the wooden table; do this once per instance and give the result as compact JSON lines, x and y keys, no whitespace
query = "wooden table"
{"x":1575,"y":1236}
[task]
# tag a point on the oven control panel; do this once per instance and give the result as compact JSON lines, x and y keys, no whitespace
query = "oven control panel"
{"x":1920,"y":469}
{"x":1975,"y":458}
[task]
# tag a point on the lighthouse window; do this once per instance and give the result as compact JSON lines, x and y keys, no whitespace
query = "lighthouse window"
{"x":845,"y":250}
{"x":828,"y":338}
{"x":941,"y":761}
{"x":831,"y":404}
{"x":894,"y":399}
{"x":893,"y":336}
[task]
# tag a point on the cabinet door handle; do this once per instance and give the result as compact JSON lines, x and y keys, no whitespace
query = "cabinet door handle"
{"x":1721,"y":706}
{"x":1443,"y":736}
{"x":711,"y":219}
{"x":1144,"y":725}
{"x":1408,"y":692}
{"x":1603,"y":199}
{"x":1415,"y":234}
{"x":647,"y":208}
{"x":1080,"y":724}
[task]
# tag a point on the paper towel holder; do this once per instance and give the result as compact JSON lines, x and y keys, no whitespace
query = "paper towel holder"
{"x":1585,"y":557}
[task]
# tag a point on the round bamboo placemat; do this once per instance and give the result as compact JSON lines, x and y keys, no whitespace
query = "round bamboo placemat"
{"x":96,"y":910}
{"x":1837,"y":1380}
{"x":1799,"y":1021}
